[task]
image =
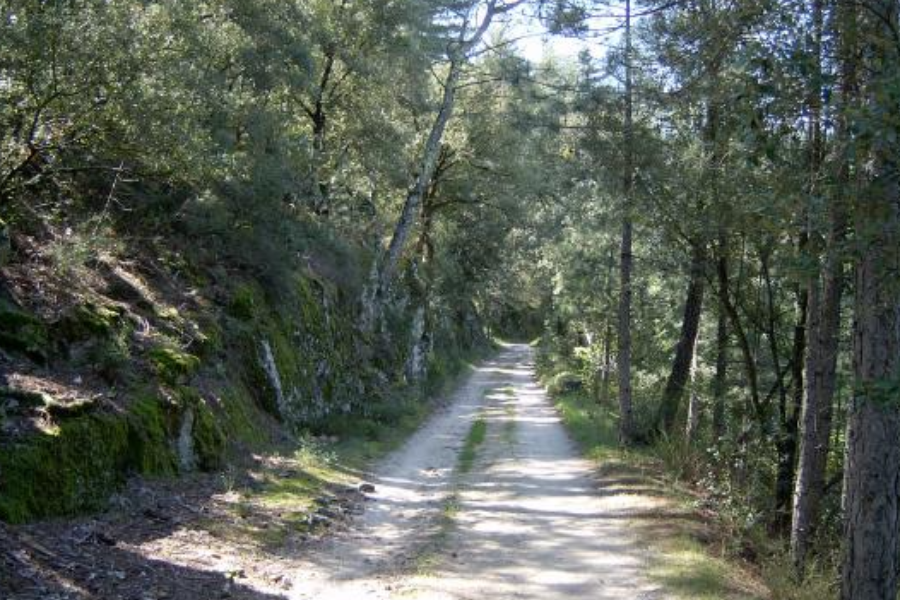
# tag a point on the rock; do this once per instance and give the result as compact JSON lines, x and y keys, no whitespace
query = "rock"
{"x":105,"y":539}
{"x":366,"y":488}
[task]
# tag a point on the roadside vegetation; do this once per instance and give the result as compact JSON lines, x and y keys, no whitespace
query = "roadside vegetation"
{"x":228,"y":226}
{"x":692,"y":557}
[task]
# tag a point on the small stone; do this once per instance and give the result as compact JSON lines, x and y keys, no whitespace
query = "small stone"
{"x":366,"y":488}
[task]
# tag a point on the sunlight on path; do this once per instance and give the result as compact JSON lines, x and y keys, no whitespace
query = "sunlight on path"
{"x":528,"y":522}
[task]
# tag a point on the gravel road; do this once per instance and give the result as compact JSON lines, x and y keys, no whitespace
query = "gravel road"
{"x":528,"y":521}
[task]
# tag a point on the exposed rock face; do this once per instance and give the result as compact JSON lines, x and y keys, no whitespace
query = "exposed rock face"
{"x":274,"y":378}
{"x":187,"y":459}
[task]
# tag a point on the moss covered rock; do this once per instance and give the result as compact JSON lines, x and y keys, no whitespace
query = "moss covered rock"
{"x":171,"y":364}
{"x":83,"y":459}
{"x":71,"y":469}
{"x":22,"y":332}
{"x":88,"y":320}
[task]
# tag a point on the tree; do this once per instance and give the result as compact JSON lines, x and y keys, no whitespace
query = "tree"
{"x":825,"y":292}
{"x":476,"y":19}
{"x":623,"y":356}
{"x":872,"y":461}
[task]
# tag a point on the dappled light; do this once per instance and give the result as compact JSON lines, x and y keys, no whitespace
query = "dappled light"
{"x":449,"y":299}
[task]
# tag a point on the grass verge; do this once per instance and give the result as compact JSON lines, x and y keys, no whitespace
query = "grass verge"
{"x":685,"y":560}
{"x":469,"y":451}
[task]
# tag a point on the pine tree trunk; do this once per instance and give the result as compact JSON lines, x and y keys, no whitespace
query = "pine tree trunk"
{"x":606,"y":376}
{"x":684,"y":351}
{"x":816,"y":417}
{"x":623,"y":358}
{"x":872,"y":463}
{"x":823,"y":328}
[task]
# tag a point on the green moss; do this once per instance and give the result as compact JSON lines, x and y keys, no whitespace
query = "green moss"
{"x":239,"y":420}
{"x":71,"y":470}
{"x":88,"y":320}
{"x":150,"y":429}
{"x":209,"y":441}
{"x":23,"y":332}
{"x":244,"y":302}
{"x":172,"y":364}
{"x":83,"y":460}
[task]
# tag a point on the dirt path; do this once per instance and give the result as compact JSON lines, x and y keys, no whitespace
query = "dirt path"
{"x":527,"y":522}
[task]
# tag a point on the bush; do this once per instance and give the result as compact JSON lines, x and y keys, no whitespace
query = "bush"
{"x":564,"y":382}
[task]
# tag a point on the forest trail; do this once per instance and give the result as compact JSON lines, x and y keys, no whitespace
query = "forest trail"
{"x":527,"y":521}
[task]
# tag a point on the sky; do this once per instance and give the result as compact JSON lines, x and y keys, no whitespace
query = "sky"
{"x":536,"y":44}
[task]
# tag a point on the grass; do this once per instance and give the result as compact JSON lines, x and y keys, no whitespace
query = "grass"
{"x":428,"y":557}
{"x":681,"y":562}
{"x":469,"y":451}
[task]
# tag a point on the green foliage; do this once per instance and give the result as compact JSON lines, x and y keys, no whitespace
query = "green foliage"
{"x":244,"y":302}
{"x":564,"y":382}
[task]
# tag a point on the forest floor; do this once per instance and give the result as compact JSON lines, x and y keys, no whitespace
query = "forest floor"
{"x":490,"y":498}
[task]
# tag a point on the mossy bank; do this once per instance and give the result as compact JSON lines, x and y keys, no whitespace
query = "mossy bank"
{"x":147,"y":376}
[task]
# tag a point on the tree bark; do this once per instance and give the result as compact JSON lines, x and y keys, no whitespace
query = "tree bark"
{"x":824,"y":319}
{"x":872,"y":467}
{"x":684,"y":350}
{"x":790,"y":419}
{"x":720,"y":378}
{"x":692,"y":427}
{"x":623,"y":358}
{"x":427,"y":166}
{"x":606,"y":376}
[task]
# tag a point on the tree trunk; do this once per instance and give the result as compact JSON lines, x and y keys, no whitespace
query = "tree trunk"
{"x":823,"y":324}
{"x":787,"y":442}
{"x":720,"y":378}
{"x":684,"y":351}
{"x":623,"y":358}
{"x":607,"y":335}
{"x":692,"y":428}
{"x":759,"y":411}
{"x":872,"y":467}
{"x":457,"y":54}
{"x":423,"y":180}
{"x":816,"y":417}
